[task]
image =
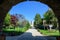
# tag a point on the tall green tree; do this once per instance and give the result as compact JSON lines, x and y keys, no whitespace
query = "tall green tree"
{"x":7,"y":19}
{"x":37,"y":20}
{"x":55,"y":22}
{"x":27,"y":24}
{"x":49,"y":15}
{"x":21,"y":19}
{"x":50,"y":18}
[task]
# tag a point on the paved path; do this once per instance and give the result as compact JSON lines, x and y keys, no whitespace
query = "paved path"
{"x":31,"y":34}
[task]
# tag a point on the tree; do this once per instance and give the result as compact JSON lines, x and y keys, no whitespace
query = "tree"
{"x":55,"y":22}
{"x":7,"y":19}
{"x":50,"y":18}
{"x":21,"y":19}
{"x":37,"y":20}
{"x":13,"y":20}
{"x":49,"y":15}
{"x":27,"y":25}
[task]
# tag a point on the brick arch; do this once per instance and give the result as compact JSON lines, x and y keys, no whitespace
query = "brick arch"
{"x":6,"y":5}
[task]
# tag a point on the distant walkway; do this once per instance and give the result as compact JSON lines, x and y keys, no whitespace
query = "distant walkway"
{"x":31,"y":34}
{"x":34,"y":32}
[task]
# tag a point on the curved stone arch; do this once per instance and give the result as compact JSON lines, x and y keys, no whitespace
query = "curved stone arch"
{"x":6,"y":5}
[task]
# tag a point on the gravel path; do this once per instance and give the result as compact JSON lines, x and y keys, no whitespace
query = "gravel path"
{"x":31,"y":34}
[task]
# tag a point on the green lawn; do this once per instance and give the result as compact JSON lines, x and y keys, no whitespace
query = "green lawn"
{"x":50,"y":33}
{"x":17,"y":29}
{"x":14,"y":31}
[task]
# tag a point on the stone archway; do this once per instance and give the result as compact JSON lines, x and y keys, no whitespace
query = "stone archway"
{"x":6,"y":5}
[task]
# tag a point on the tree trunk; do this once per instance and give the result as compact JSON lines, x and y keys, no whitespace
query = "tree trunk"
{"x":57,"y":25}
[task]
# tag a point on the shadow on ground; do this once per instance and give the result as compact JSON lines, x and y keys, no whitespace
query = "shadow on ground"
{"x":29,"y":36}
{"x":11,"y":33}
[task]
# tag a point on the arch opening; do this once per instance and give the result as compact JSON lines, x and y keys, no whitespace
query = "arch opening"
{"x":30,"y":11}
{"x":54,"y":5}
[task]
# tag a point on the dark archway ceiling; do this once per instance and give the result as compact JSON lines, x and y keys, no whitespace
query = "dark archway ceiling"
{"x":6,"y":5}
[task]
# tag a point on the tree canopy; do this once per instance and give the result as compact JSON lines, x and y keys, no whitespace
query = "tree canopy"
{"x":37,"y":20}
{"x":49,"y":15}
{"x":50,"y":18}
{"x":7,"y":19}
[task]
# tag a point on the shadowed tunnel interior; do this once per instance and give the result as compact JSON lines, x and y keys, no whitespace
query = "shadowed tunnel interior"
{"x":6,"y":5}
{"x":29,"y":36}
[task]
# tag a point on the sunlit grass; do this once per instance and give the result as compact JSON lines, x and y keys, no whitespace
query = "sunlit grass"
{"x":49,"y":33}
{"x":14,"y":30}
{"x":17,"y":29}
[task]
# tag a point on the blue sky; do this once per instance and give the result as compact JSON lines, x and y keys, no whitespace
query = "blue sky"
{"x":29,"y":9}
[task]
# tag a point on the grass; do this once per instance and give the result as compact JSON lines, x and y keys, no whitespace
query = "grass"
{"x":49,"y":33}
{"x":18,"y":29}
{"x":14,"y":31}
